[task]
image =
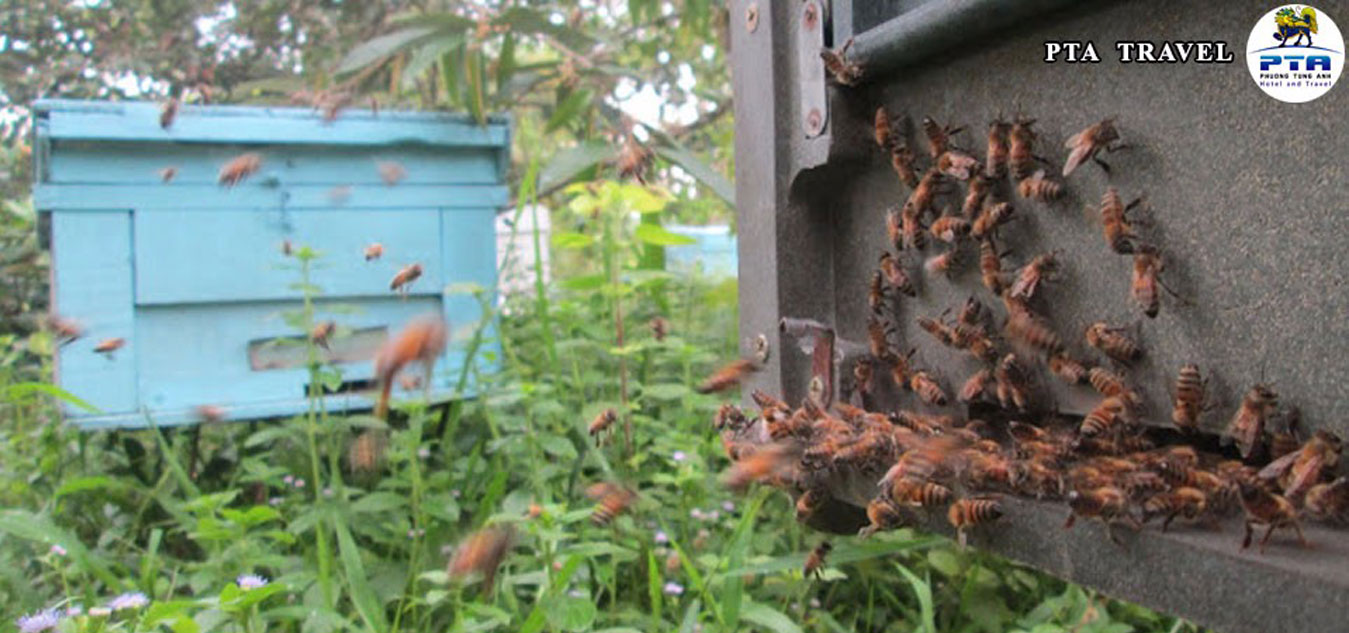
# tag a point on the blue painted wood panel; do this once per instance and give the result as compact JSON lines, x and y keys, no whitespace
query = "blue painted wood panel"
{"x":92,"y":282}
{"x":123,"y":163}
{"x":261,"y":195}
{"x":216,"y":256}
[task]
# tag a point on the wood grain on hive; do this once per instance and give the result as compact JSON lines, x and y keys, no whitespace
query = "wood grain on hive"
{"x":190,"y":273}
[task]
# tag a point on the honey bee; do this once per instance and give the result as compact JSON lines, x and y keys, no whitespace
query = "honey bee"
{"x":883,"y":514}
{"x":634,"y":160}
{"x":996,"y":162}
{"x":109,"y":345}
{"x":894,"y":275}
{"x":728,"y":376}
{"x":1107,"y":504}
{"x":1286,"y":441}
{"x":1037,"y":477}
{"x":774,"y":464}
{"x":900,"y":368}
{"x":1108,"y":383}
{"x":1143,"y":484}
{"x":1329,"y":501}
{"x":885,"y":134}
{"x":1248,"y":425}
{"x":1088,"y":143}
{"x":990,"y":266}
{"x":1028,"y":280}
{"x":922,"y":461}
{"x":1148,"y":266}
{"x":422,"y":340}
{"x":1189,"y":398}
{"x":808,"y":503}
{"x":991,"y":218}
{"x":366,"y":452}
{"x":611,"y":500}
{"x":942,"y":264}
{"x":938,"y":136}
{"x":902,"y":160}
{"x":966,"y":513}
{"x":922,"y":196}
{"x":209,"y":413}
{"x":766,"y":401}
{"x":844,"y":72}
{"x":287,"y":249}
{"x":894,"y":227}
{"x":405,"y":277}
{"x":1119,"y":234}
{"x":604,"y":422}
{"x":1107,"y":418}
{"x":940,"y":331}
{"x":976,"y":386}
{"x":927,"y":389}
{"x":322,"y":332}
{"x":63,"y":329}
{"x":878,"y":342}
{"x":816,"y":559}
{"x":982,"y":470}
{"x":1012,"y":384}
{"x":978,"y":191}
{"x":482,"y":553}
{"x":912,"y":232}
{"x":1298,"y":471}
{"x":374,"y":251}
{"x":339,"y":194}
{"x":239,"y":168}
{"x":957,"y":164}
{"x":167,"y":174}
{"x":1027,"y":328}
{"x":863,"y":371}
{"x":660,"y":328}
{"x":728,"y":416}
{"x":1067,"y":368}
{"x":168,"y":112}
{"x":391,"y":173}
{"x":1112,"y":342}
{"x":923,"y":494}
{"x":876,"y":292}
{"x":1264,"y":508}
{"x":1021,"y":156}
{"x":1185,"y":502}
{"x":950,"y":228}
{"x":1039,"y":187}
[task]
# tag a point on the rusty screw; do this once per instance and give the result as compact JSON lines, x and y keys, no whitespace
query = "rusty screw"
{"x":814,"y":122}
{"x":811,"y":17}
{"x":752,"y":17}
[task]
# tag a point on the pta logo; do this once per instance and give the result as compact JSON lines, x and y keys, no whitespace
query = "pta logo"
{"x":1295,"y":53}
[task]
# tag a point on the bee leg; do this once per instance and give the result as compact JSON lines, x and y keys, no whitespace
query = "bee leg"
{"x":1246,"y":542}
{"x":1167,"y":522}
{"x":1301,"y":539}
{"x":1072,"y":518}
{"x":1105,"y":167}
{"x":960,"y":537}
{"x":1110,"y":533}
{"x":1265,"y":540}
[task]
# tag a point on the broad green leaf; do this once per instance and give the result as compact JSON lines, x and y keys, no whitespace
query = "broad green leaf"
{"x":572,"y":240}
{"x":372,"y":612}
{"x":568,"y":163}
{"x":570,"y":108}
{"x":25,"y":389}
{"x":923,"y":590}
{"x":428,"y":53}
{"x":584,"y":282}
{"x":702,"y":172}
{"x":378,"y":502}
{"x":571,"y":614}
{"x":769,"y":618}
{"x":380,"y":47}
{"x":658,"y":236}
{"x":690,"y":622}
{"x":82,"y":484}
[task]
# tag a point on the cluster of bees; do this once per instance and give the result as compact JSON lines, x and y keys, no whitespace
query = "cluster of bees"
{"x":1103,"y":465}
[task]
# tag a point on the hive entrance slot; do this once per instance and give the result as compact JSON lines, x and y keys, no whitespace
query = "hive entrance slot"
{"x":290,"y":352}
{"x":346,"y":386}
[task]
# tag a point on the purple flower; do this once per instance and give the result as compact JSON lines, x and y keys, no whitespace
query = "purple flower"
{"x":134,"y":600}
{"x":673,"y":589}
{"x":74,"y":610}
{"x":249,"y":582}
{"x":680,"y":456}
{"x":299,"y":483}
{"x":40,"y":621}
{"x":58,"y":550}
{"x":728,"y":506}
{"x":713,"y":515}
{"x":288,"y":479}
{"x":661,"y":537}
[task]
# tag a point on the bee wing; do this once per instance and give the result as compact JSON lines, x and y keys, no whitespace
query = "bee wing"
{"x":1305,"y":473}
{"x":1078,"y":156}
{"x":1278,"y":467}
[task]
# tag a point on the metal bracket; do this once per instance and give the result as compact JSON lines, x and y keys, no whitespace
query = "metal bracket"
{"x":810,"y":68}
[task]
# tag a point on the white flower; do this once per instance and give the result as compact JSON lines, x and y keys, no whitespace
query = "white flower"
{"x":673,"y":589}
{"x":134,"y":600}
{"x":661,"y":537}
{"x":99,"y":612}
{"x":37,"y":622}
{"x":248,"y":582}
{"x":680,"y":456}
{"x":424,"y":452}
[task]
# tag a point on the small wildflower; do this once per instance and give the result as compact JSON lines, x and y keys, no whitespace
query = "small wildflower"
{"x":713,"y":515}
{"x":576,"y":593}
{"x":40,"y":621}
{"x":728,"y":506}
{"x":134,"y":600}
{"x":299,"y":483}
{"x":249,"y":582}
{"x":680,"y":456}
{"x":328,"y":492}
{"x":74,"y":610}
{"x":274,"y":501}
{"x":99,"y":612}
{"x":814,"y":603}
{"x":58,"y":550}
{"x":673,"y":589}
{"x":696,"y":513}
{"x":288,"y":479}
{"x":424,"y":452}
{"x":416,"y":532}
{"x":661,"y":537}
{"x":454,"y":492}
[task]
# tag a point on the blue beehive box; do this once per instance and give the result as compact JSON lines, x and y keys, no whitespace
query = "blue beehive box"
{"x":191,"y":274}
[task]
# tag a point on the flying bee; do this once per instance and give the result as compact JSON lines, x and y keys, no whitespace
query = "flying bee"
{"x":1189,"y":398}
{"x":1119,"y":234}
{"x":1113,"y":342}
{"x":923,"y":494}
{"x":728,"y":376}
{"x":976,"y":386}
{"x":991,"y":218}
{"x":423,"y":341}
{"x":1021,"y":156}
{"x":322,"y":332}
{"x":983,"y":471}
{"x":390,"y":172}
{"x":923,"y":461}
{"x":404,"y":277}
{"x":927,"y":389}
{"x":64,"y":330}
{"x":996,"y":163}
{"x":957,"y":164}
{"x":287,"y":248}
{"x":367,"y":450}
{"x":339,"y":194}
{"x":1027,"y":328}
{"x":634,"y":160}
{"x":611,"y":500}
{"x":604,"y":422}
{"x":482,"y":553}
{"x":938,"y":136}
{"x":374,"y":251}
{"x":950,"y":228}
{"x":883,"y":514}
{"x":774,"y":464}
{"x":168,"y":112}
{"x":1039,"y":187}
{"x":990,"y":267}
{"x":1264,"y":508}
{"x":1329,"y":501}
{"x":902,"y":160}
{"x":844,"y":72}
{"x":966,"y":513}
{"x":1088,"y":143}
{"x":1184,"y":502}
{"x":1012,"y":383}
{"x":1067,"y":368}
{"x":660,"y":328}
{"x":1300,"y":470}
{"x":1247,"y":428}
{"x":1148,"y":267}
{"x":239,"y":168}
{"x":1107,"y":504}
{"x":979,"y":189}
{"x":109,"y":345}
{"x":894,"y":275}
{"x":167,"y":174}
{"x":1028,"y":280}
{"x":943,"y":263}
{"x":1107,"y":418}
{"x":807,"y":504}
{"x":209,"y":413}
